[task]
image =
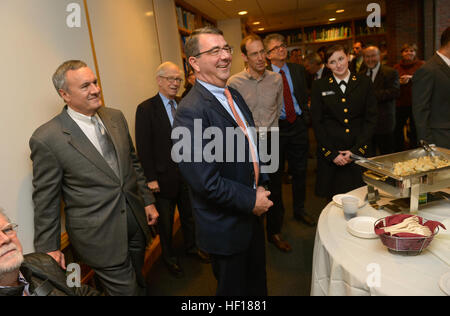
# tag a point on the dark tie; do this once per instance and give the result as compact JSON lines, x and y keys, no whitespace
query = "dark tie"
{"x":244,"y":130}
{"x":106,"y":145}
{"x":288,"y":101}
{"x":370,"y":74}
{"x":172,"y":108}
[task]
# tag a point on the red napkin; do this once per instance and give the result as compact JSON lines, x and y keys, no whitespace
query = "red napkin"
{"x":396,"y":219}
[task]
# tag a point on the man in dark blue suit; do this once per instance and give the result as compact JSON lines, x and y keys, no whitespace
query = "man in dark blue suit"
{"x":227,"y":194}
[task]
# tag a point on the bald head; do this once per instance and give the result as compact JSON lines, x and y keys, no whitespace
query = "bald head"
{"x":371,"y":56}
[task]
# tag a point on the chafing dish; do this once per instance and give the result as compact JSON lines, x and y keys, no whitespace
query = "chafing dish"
{"x":380,"y":174}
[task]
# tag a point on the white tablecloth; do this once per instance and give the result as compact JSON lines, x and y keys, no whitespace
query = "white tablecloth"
{"x":347,"y":265}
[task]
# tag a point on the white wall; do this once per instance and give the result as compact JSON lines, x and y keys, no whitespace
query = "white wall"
{"x":169,"y":38}
{"x":232,"y":32}
{"x":35,"y":40}
{"x":127,"y":51}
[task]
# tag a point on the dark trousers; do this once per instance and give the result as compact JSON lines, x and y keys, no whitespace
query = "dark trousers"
{"x":293,"y":148}
{"x":383,"y":144}
{"x":243,"y":274}
{"x":403,"y":113}
{"x":166,"y":209}
{"x":126,"y":279}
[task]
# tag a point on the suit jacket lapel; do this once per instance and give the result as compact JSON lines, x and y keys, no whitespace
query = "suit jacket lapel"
{"x":334,"y":86}
{"x":442,"y":65}
{"x":215,"y":103}
{"x":244,"y":112}
{"x":162,"y":113}
{"x":82,"y":144}
{"x":353,"y":82}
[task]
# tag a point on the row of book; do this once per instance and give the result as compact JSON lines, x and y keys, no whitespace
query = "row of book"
{"x":334,"y":33}
{"x":185,"y":19}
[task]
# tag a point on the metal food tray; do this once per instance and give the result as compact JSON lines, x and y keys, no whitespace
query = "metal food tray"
{"x":380,"y":175}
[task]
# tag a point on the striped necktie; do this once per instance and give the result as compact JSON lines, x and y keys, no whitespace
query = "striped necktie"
{"x":172,"y":108}
{"x":244,"y":130}
{"x":108,"y":151}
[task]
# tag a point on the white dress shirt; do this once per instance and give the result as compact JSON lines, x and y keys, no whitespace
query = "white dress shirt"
{"x":346,"y":79}
{"x":86,"y":125}
{"x":445,"y":58}
{"x":374,"y":71}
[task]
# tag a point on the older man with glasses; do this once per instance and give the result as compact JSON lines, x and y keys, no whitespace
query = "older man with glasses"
{"x":154,"y":120}
{"x":293,"y":124}
{"x":34,"y":274}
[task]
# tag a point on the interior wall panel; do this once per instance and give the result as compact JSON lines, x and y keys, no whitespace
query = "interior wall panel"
{"x":35,"y":40}
{"x":127,"y":50}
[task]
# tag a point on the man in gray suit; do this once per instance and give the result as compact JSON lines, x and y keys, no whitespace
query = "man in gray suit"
{"x":431,"y":96}
{"x":85,"y":156}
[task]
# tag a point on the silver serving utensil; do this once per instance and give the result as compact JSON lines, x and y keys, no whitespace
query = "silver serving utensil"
{"x":374,"y":163}
{"x":430,"y":151}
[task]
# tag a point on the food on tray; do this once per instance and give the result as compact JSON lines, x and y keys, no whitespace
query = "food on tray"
{"x":421,"y":164}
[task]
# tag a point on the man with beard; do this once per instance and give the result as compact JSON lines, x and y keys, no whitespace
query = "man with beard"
{"x":35,"y":274}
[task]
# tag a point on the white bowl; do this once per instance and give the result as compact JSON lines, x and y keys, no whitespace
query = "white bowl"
{"x":362,"y":227}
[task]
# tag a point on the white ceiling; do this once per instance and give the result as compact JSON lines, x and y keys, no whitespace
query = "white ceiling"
{"x":284,"y":14}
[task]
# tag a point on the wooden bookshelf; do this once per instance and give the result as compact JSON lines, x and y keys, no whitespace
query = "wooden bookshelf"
{"x":189,"y":19}
{"x":345,"y":32}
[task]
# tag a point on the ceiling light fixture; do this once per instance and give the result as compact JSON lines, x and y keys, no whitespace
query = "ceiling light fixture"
{"x":332,"y":19}
{"x":261,"y":29}
{"x":340,"y":11}
{"x":242,"y":12}
{"x":256,"y":23}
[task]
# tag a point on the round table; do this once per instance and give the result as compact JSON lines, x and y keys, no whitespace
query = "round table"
{"x":347,"y":265}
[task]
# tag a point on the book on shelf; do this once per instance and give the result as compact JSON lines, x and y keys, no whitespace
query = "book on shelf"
{"x":294,"y":38}
{"x":328,"y":34}
{"x":185,"y":19}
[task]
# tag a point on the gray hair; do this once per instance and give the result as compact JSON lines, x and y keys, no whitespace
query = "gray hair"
{"x":59,"y":77}
{"x":162,"y":69}
{"x":273,"y":36}
{"x":3,"y":213}
{"x":192,"y":48}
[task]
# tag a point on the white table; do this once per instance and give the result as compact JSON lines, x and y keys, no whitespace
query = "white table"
{"x":347,"y":265}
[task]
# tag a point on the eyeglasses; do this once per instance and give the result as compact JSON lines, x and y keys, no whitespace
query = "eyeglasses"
{"x":172,"y":79}
{"x":261,"y":53}
{"x":277,"y":48}
{"x":9,"y":229}
{"x":215,"y":51}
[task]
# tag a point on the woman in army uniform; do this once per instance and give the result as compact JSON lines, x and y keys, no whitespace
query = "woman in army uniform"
{"x":344,"y":116}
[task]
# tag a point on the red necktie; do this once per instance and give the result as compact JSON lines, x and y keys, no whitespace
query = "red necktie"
{"x":244,"y":130}
{"x":288,"y":102}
